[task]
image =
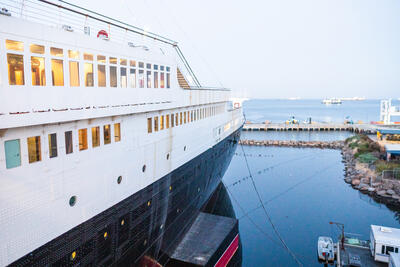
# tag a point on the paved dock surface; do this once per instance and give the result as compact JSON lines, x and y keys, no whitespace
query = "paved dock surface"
{"x":363,"y":253}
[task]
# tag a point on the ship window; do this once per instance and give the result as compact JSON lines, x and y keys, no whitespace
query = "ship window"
{"x":141,"y":79}
{"x":73,"y":54}
{"x":389,"y":249}
{"x":132,"y":78}
{"x":74,"y":73}
{"x":122,"y":61}
{"x":188,"y":115}
{"x":168,"y":80}
{"x":14,"y":45}
{"x":168,"y":69}
{"x":36,"y":49}
{"x":172,"y":120}
{"x":83,"y":143}
{"x":52,"y":145}
{"x":34,"y":150}
{"x":123,"y":78}
{"x":194,"y":115}
{"x":191,"y":115}
{"x":57,"y":72}
{"x":149,"y":125}
{"x":117,"y":132}
{"x":162,"y":122}
{"x":176,"y":119}
{"x":155,"y":67}
{"x":148,"y":77}
{"x":113,"y":60}
{"x":38,"y":71}
{"x":383,"y":249}
{"x":155,"y":79}
{"x":141,"y":65}
{"x":15,"y":69}
{"x":167,"y":121}
{"x":87,"y":56}
{"x":132,"y":63}
{"x":95,"y":136}
{"x":148,"y":66}
{"x":113,"y":76}
{"x":180,"y":119}
{"x":101,"y":70}
{"x":155,"y":124}
{"x":101,"y":59}
{"x":162,"y":82}
{"x":13,"y":153}
{"x":396,"y":250}
{"x":57,"y":52}
{"x":68,"y":142}
{"x":184,"y":117}
{"x":162,"y":68}
{"x":107,"y":134}
{"x":88,"y":72}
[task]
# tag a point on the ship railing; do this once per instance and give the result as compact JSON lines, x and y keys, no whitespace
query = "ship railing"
{"x":72,"y":18}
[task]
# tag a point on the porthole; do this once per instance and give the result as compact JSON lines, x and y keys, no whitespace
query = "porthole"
{"x":72,"y":201}
{"x":105,"y":235}
{"x":148,"y":203}
{"x":170,"y":188}
{"x":119,"y":180}
{"x":122,"y":222}
{"x":73,"y":256}
{"x":168,"y":156}
{"x":144,"y":168}
{"x":184,"y":148}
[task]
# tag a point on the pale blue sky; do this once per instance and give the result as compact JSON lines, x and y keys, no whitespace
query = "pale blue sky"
{"x":279,"y":48}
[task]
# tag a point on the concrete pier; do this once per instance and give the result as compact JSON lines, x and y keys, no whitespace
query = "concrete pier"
{"x":356,"y":128}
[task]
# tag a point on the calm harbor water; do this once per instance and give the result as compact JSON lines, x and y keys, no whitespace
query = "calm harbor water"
{"x":276,"y":110}
{"x":303,"y":189}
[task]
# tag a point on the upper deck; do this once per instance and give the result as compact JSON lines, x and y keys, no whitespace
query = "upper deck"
{"x":54,"y":73}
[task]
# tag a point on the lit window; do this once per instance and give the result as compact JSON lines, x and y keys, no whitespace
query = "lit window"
{"x":194,"y":115}
{"x":107,"y":134}
{"x":38,"y":71}
{"x":180,"y":118}
{"x":57,"y":52}
{"x":34,"y":149}
{"x":184,"y":116}
{"x":73,"y":54}
{"x":191,"y":115}
{"x":172,"y":120}
{"x":148,"y":77}
{"x":14,"y":45}
{"x":113,"y":76}
{"x":68,"y":142}
{"x":122,"y":61}
{"x":167,"y":121}
{"x":168,"y":80}
{"x":57,"y":72}
{"x":124,"y":80}
{"x":36,"y":49}
{"x":52,"y":145}
{"x":74,"y":73}
{"x":113,"y":60}
{"x":141,"y":78}
{"x":188,"y":115}
{"x":155,"y":124}
{"x":132,"y":63}
{"x":117,"y":132}
{"x":15,"y":69}
{"x":149,"y":125}
{"x":162,"y":122}
{"x":101,"y":59}
{"x":88,"y":74}
{"x":13,"y":153}
{"x":101,"y":71}
{"x":176,"y":119}
{"x":83,"y":143}
{"x":95,"y":136}
{"x":162,"y":82}
{"x":87,"y":56}
{"x":132,"y":78}
{"x":155,"y":79}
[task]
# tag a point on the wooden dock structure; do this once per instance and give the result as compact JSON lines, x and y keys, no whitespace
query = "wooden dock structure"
{"x":356,"y":128}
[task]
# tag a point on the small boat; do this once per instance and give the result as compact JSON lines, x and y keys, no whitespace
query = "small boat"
{"x":330,"y":101}
{"x":325,"y":249}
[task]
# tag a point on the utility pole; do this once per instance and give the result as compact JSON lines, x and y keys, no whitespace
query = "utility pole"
{"x":341,"y":227}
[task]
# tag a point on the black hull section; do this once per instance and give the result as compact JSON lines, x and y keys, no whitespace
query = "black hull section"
{"x":146,"y":227}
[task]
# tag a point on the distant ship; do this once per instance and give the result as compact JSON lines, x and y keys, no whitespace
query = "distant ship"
{"x":332,"y":101}
{"x":356,"y":98}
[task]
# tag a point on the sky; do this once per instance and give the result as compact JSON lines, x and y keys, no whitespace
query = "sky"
{"x":279,"y":48}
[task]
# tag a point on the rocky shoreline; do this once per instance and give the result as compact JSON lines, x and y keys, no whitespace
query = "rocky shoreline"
{"x":361,"y":176}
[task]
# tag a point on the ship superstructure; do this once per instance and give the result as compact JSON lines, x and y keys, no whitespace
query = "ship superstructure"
{"x":108,"y":148}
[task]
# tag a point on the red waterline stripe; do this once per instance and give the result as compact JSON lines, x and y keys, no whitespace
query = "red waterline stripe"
{"x":229,"y":252}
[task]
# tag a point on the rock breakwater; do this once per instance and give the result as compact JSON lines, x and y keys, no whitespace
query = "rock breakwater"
{"x":290,"y":143}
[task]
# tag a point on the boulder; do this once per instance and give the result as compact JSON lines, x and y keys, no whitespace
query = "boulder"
{"x":355,"y":182}
{"x":365,"y":180}
{"x":381,"y":193}
{"x":371,"y":189}
{"x":397,"y":197}
{"x":347,"y":180}
{"x":390,"y":192}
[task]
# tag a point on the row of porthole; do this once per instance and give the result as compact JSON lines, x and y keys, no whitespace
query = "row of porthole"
{"x":72,"y":200}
